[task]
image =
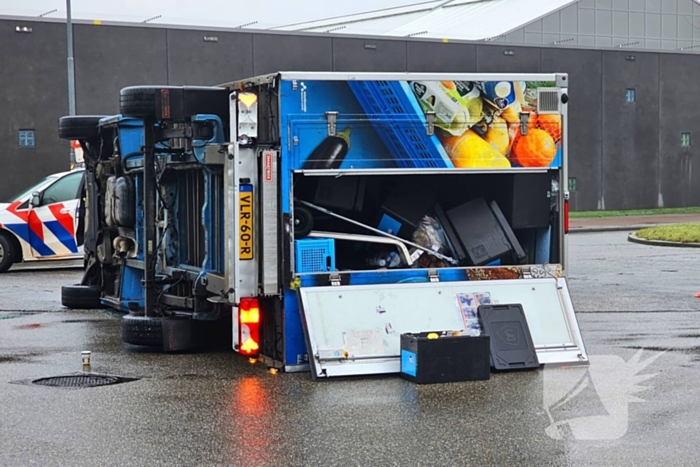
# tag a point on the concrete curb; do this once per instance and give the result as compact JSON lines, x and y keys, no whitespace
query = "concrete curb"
{"x":642,"y":241}
{"x":610,"y":228}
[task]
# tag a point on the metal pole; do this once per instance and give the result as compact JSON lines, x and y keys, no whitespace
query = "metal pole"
{"x":149,"y":218}
{"x":71,"y":66}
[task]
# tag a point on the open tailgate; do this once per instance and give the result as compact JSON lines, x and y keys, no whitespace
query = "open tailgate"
{"x":356,"y":329}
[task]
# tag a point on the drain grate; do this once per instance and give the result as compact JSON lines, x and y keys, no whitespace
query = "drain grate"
{"x":77,"y":381}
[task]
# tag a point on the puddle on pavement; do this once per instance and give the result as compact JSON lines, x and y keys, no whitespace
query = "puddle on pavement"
{"x":187,"y":376}
{"x":666,"y":349}
{"x":68,"y":321}
{"x":14,"y":314}
{"x":20,"y":358}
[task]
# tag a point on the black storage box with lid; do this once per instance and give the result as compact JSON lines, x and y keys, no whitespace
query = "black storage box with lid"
{"x":479,"y":234}
{"x":447,"y":359}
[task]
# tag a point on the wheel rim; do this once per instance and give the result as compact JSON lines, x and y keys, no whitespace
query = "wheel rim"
{"x":2,"y":253}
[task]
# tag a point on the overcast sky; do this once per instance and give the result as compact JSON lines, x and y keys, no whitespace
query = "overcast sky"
{"x":215,"y":13}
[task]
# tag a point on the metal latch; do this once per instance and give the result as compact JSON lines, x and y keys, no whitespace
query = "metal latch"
{"x":332,"y":117}
{"x":433,"y":275}
{"x":334,"y":279}
{"x":430,"y":117}
{"x":524,"y":121}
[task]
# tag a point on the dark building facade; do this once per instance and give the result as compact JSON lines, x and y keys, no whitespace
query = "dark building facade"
{"x":632,"y":115}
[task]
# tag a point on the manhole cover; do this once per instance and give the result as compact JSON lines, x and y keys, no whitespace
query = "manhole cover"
{"x":77,"y":381}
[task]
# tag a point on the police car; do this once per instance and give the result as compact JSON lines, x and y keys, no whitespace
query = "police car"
{"x":43,"y":223}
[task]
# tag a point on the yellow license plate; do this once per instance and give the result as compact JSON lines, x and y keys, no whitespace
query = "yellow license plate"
{"x":245,"y":222}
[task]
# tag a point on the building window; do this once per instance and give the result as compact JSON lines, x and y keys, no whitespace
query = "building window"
{"x":572,"y":184}
{"x":685,"y":139}
{"x":27,"y":139}
{"x":631,"y":95}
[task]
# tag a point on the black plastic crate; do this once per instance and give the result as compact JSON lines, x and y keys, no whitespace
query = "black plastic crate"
{"x":447,"y":359}
{"x":512,"y":347}
{"x":479,"y":233}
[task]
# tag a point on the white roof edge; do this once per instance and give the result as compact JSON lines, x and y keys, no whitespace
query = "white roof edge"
{"x":566,"y":5}
{"x":414,"y":14}
{"x":369,"y":76}
{"x":390,"y":76}
{"x":374,"y":14}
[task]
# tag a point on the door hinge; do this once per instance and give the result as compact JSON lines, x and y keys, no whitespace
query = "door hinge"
{"x":334,"y":279}
{"x":433,"y":275}
{"x":332,"y":117}
{"x":430,"y":118}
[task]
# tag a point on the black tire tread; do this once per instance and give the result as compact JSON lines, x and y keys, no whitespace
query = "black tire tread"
{"x":81,"y":297}
{"x":79,"y":127}
{"x":140,"y":101}
{"x":8,"y":260}
{"x":306,"y":222}
{"x":141,"y":330}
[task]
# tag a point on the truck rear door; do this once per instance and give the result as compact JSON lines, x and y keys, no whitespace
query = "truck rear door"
{"x":356,"y":330}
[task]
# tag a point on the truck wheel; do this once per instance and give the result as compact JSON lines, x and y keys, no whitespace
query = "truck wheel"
{"x":7,"y":254}
{"x":79,"y":127}
{"x":142,"y":330}
{"x":81,"y":297}
{"x":173,"y":102}
{"x":303,"y":222}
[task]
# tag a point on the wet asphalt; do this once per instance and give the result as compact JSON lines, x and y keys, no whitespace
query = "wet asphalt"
{"x":216,"y":408}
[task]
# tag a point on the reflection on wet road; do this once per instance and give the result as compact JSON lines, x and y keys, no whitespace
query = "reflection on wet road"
{"x":216,"y":408}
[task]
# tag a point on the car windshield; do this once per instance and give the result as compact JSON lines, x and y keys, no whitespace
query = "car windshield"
{"x":34,"y":188}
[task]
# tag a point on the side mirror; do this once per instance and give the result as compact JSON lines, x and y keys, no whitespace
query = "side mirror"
{"x":36,"y":199}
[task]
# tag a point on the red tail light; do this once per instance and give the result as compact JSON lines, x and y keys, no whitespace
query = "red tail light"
{"x":249,"y":326}
{"x":566,"y":216}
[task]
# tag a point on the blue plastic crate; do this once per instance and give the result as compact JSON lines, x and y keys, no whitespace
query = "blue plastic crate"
{"x":400,"y":122}
{"x":315,"y":255}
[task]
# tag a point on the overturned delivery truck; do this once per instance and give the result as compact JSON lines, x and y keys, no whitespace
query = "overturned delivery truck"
{"x":315,"y":217}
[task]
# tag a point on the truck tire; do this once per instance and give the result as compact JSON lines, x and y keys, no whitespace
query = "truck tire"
{"x":173,"y":102}
{"x":79,"y":127}
{"x":7,"y":254}
{"x":81,"y":297}
{"x":303,"y":222}
{"x":142,"y":330}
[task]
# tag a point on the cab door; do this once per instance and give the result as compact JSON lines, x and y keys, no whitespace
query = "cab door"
{"x":53,"y":218}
